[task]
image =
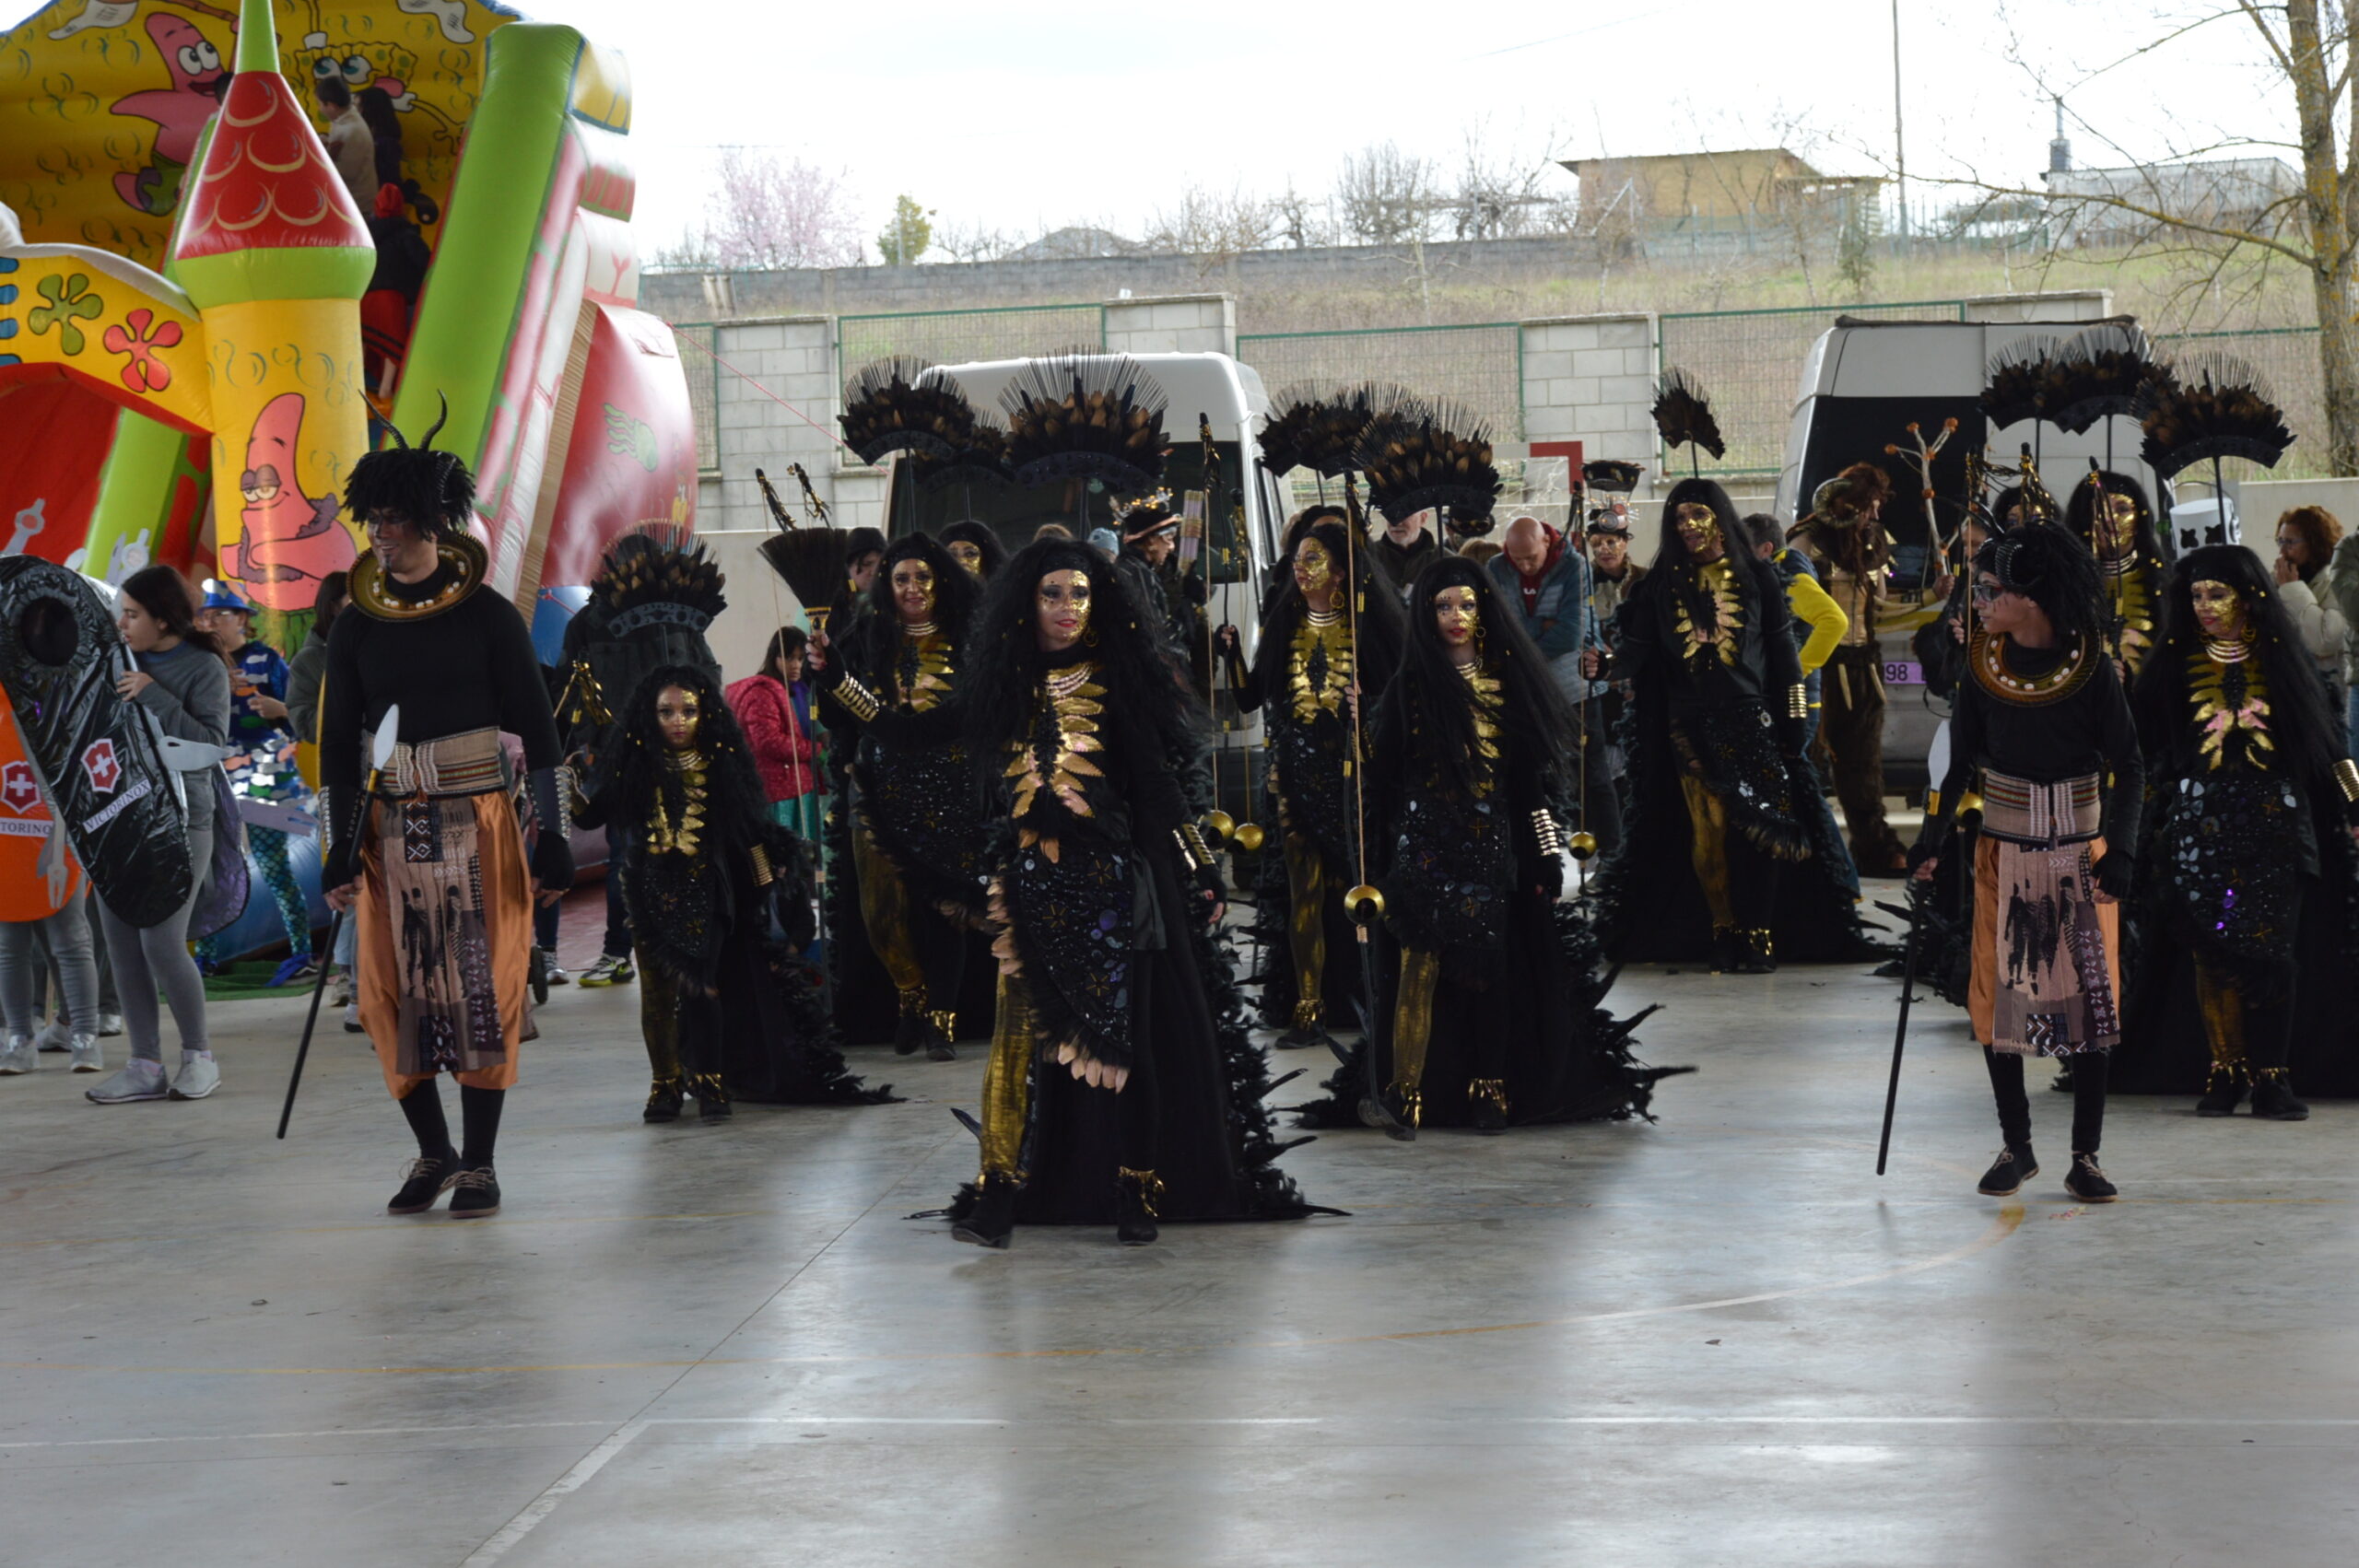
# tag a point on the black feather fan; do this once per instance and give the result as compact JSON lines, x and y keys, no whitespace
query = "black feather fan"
{"x":1086,"y":415}
{"x":644,"y":578}
{"x":2211,"y":405}
{"x":2098,"y":372}
{"x":809,"y":560}
{"x":979,"y":459}
{"x":2020,"y":384}
{"x":1683,"y":413}
{"x":1420,"y":454}
{"x":896,"y":406}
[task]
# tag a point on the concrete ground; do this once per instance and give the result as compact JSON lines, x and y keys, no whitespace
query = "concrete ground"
{"x":1719,"y":1338}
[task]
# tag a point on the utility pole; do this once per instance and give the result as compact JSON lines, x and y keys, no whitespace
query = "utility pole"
{"x":1900,"y":146}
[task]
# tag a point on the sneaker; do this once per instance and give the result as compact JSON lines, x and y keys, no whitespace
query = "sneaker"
{"x":2008,"y":1173}
{"x":301,"y":966}
{"x":110,"y":1025}
{"x":198,"y":1076}
{"x":423,"y":1181}
{"x":17,"y":1056}
{"x":89,"y":1054}
{"x":609,"y":970}
{"x":54,"y":1036}
{"x":352,"y":1025}
{"x":340,"y":988}
{"x":474,"y":1194}
{"x":559,"y":973}
{"x":139,"y":1080}
{"x":2087,"y":1183}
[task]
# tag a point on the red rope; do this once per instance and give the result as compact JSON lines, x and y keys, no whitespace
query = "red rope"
{"x":765,"y":391}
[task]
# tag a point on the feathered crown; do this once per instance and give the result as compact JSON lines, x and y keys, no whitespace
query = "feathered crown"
{"x":432,"y":489}
{"x":1419,"y":454}
{"x":2211,"y":405}
{"x":2020,"y":381}
{"x":1683,"y":414}
{"x":1086,"y":415}
{"x":896,"y":406}
{"x":979,"y":459}
{"x":1609,"y":476}
{"x":644,"y":580}
{"x":2099,"y":371}
{"x":1319,"y":425}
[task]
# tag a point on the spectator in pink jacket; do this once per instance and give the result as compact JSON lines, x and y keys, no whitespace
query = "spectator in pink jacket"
{"x":774,"y":709}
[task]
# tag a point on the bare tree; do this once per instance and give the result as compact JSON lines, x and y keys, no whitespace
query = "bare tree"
{"x":1214,"y":226}
{"x":2226,"y":218}
{"x":1501,"y":196}
{"x":765,"y":213}
{"x":1387,"y":197}
{"x":1303,"y":222}
{"x":974,"y":242}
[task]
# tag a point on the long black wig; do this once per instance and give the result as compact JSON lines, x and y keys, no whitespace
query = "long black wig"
{"x":877,"y":637}
{"x":1432,"y":695}
{"x":983,"y":537}
{"x":1673,"y":564}
{"x":2307,"y":731}
{"x":632,"y":777}
{"x":2053,"y":570}
{"x":1007,"y":665}
{"x":1381,"y":621}
{"x":2080,"y":513}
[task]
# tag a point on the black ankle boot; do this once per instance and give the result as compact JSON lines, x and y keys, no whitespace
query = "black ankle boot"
{"x":1488,"y":1098}
{"x":1308,"y":1030}
{"x":1395,"y":1115}
{"x":1135,"y":1193}
{"x":663,"y":1101}
{"x":1755,"y":952}
{"x":2272,"y":1097}
{"x":2222,"y":1092}
{"x":941,"y":1035}
{"x":909,"y":1034}
{"x":1726,"y":952}
{"x":422,"y":1184}
{"x":988,"y":1216}
{"x":2015,"y":1165}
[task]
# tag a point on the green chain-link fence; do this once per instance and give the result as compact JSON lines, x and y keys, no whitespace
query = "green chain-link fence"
{"x":703,"y":373}
{"x":2287,"y":360}
{"x":1479,"y":366}
{"x":959,"y":337}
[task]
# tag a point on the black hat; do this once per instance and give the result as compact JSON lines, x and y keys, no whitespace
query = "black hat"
{"x":1606,"y":520}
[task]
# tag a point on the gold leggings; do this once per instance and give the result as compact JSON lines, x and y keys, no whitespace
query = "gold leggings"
{"x":1307,"y":881}
{"x":1413,"y":1021}
{"x":1708,"y":838}
{"x":1006,"y":1080}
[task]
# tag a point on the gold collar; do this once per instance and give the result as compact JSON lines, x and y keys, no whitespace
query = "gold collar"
{"x":461,"y":552}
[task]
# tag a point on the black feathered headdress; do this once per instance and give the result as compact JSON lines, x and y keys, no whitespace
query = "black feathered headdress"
{"x":2212,"y":405}
{"x":2099,"y":371}
{"x":2021,"y":382}
{"x":1610,"y":477}
{"x":1683,"y":414}
{"x":1421,"y":455}
{"x":644,"y":580}
{"x":1086,"y":415}
{"x":431,"y":490}
{"x":896,"y":404}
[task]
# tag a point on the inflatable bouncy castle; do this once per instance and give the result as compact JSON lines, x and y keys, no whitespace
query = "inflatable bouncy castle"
{"x":209,"y":309}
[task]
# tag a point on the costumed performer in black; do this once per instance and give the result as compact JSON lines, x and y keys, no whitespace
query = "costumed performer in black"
{"x":1718,"y":714}
{"x":2042,"y":730}
{"x":1122,"y":1087}
{"x":2248,"y":889}
{"x":720,"y":900}
{"x":1306,"y":674}
{"x":1850,"y":552}
{"x":436,"y":871}
{"x":2110,"y":514}
{"x":918,"y":844}
{"x":1491,"y":1019}
{"x":975,"y":546}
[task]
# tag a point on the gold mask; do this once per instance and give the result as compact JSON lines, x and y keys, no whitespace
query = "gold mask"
{"x":1061,"y":601}
{"x":678,"y":716}
{"x":1458,"y":615}
{"x":967,"y":555}
{"x":1314,"y":566}
{"x":2219,"y":608}
{"x":1699,"y":529}
{"x":914,"y":590}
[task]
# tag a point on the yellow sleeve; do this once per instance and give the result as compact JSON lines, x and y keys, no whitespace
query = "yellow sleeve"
{"x":1827,"y":622}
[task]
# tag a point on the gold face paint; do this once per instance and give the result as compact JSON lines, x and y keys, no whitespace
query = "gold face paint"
{"x":969,"y":556}
{"x":1061,"y":601}
{"x":913,"y":591}
{"x":1458,"y":615}
{"x":2219,"y":609}
{"x":1314,"y":566}
{"x":1699,"y":530}
{"x":2117,"y":524}
{"x":677,"y":715}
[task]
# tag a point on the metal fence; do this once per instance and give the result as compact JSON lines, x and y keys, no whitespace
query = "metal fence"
{"x":1751,"y":361}
{"x":2287,"y":360}
{"x":703,"y":373}
{"x":958,"y":337}
{"x":1479,"y":366}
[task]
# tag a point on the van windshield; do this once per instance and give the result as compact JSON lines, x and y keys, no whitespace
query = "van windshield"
{"x":1016,"y":511}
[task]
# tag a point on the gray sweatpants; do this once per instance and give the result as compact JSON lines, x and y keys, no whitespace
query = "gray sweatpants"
{"x":65,"y":936}
{"x":159,"y":956}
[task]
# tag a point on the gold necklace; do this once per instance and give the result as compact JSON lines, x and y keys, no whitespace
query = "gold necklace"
{"x":1987,"y":659}
{"x":2235,"y":650}
{"x":464,"y":553}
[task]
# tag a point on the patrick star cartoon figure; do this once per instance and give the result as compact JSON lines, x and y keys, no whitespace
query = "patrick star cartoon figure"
{"x":179,"y":112}
{"x":288,"y":541}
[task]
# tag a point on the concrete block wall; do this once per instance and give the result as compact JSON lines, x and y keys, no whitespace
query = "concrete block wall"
{"x":1180,"y":323}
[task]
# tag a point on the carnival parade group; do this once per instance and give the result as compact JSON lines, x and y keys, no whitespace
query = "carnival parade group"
{"x":1487,"y":776}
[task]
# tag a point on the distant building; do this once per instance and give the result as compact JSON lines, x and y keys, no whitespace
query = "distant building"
{"x":2250,"y":193}
{"x":1711,"y":191}
{"x":1075,"y":244}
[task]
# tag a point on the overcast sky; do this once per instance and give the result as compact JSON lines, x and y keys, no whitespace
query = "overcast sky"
{"x":1026,"y":114}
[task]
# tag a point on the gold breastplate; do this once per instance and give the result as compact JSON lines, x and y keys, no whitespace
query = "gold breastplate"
{"x":1718,"y":582}
{"x":1319,"y":667}
{"x":921,"y":672}
{"x":2231,"y":699}
{"x":664,"y":836}
{"x":2130,"y":602}
{"x":1058,"y":759}
{"x":1483,"y":687}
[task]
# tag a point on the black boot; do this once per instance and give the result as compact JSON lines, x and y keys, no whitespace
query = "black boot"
{"x":713,"y":1100}
{"x":2222,"y":1092}
{"x":1395,"y":1115}
{"x":940,"y":1034}
{"x":909,"y":1034}
{"x":2272,"y":1097}
{"x":1755,"y":952}
{"x":1726,"y":952}
{"x":1308,"y":1030}
{"x":1488,"y":1098}
{"x":663,"y":1101}
{"x":2015,"y":1165}
{"x":990,"y":1216}
{"x":1134,"y":1198}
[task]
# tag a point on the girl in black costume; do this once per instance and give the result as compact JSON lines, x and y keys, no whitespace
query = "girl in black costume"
{"x":918,"y":843}
{"x":2247,"y":885}
{"x":2109,"y":513}
{"x":1121,"y":1087}
{"x":720,"y":902}
{"x":1492,"y":1019}
{"x":1331,"y":638}
{"x":975,"y":546}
